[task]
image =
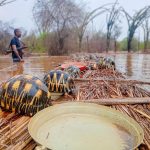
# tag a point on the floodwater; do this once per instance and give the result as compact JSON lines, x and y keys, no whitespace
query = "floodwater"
{"x":36,"y":66}
{"x":135,"y":66}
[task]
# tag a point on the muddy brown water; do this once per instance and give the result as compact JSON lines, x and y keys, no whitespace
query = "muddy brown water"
{"x":36,"y":66}
{"x":135,"y":66}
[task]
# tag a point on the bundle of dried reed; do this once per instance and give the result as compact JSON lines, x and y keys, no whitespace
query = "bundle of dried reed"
{"x":13,"y":131}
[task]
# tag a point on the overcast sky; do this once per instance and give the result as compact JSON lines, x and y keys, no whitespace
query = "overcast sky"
{"x":19,"y":13}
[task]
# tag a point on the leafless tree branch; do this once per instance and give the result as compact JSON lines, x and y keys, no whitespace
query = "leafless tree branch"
{"x":5,"y":2}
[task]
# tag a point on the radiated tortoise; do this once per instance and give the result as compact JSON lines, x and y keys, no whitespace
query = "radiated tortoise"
{"x":24,"y":94}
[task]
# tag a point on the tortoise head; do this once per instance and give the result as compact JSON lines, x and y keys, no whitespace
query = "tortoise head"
{"x":72,"y":89}
{"x":93,"y":66}
{"x":113,"y":64}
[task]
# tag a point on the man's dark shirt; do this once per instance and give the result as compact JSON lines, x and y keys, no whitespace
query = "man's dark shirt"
{"x":15,"y":41}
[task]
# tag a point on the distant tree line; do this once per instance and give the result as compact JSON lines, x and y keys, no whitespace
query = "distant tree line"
{"x":64,"y":26}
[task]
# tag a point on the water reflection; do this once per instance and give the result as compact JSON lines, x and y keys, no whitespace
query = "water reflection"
{"x":146,"y":66}
{"x":135,"y":66}
{"x":36,"y":66}
{"x":18,"y":69}
{"x":129,"y":65}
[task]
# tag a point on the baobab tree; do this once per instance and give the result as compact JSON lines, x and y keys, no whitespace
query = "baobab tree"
{"x":134,"y":22}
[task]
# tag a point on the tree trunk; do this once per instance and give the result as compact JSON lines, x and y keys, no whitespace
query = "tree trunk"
{"x":115,"y":44}
{"x":108,"y":42}
{"x":129,"y":43}
{"x":146,"y":39}
{"x":87,"y":38}
{"x":80,"y":44}
{"x":145,"y":46}
{"x":80,"y":36}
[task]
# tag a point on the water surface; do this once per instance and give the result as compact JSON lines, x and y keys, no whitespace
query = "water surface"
{"x":135,"y":66}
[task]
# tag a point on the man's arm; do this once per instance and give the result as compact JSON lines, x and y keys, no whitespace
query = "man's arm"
{"x":16,"y":51}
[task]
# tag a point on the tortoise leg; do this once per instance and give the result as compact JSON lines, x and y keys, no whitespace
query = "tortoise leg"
{"x":66,"y":95}
{"x":143,"y":147}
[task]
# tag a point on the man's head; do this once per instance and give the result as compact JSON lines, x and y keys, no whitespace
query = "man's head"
{"x":17,"y":33}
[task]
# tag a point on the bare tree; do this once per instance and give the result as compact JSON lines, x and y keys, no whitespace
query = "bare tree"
{"x":5,"y":35}
{"x":41,"y":16}
{"x":146,"y":29}
{"x":116,"y":33}
{"x":4,"y":2}
{"x":5,"y":29}
{"x":112,"y":19}
{"x":81,"y":28}
{"x":134,"y":22}
{"x":57,"y":16}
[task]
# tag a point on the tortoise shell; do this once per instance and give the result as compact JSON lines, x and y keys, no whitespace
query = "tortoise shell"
{"x":24,"y":94}
{"x":105,"y":63}
{"x":109,"y":63}
{"x":59,"y":81}
{"x":73,"y":71}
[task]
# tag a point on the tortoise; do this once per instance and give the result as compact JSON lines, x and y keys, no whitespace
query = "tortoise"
{"x":24,"y":94}
{"x":109,"y":63}
{"x":92,"y":66}
{"x":59,"y":81}
{"x":92,"y":57}
{"x":103,"y":63}
{"x":73,"y":71}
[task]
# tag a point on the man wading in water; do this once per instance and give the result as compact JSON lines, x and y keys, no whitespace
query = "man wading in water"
{"x":17,"y":47}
